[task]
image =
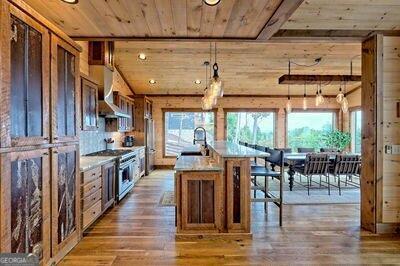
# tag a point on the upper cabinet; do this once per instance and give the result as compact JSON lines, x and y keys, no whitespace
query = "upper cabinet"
{"x":122,"y":124}
{"x":101,"y":53}
{"x":24,"y":58}
{"x":90,"y":111}
{"x":65,"y":83}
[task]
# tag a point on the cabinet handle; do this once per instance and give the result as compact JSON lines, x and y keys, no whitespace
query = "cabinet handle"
{"x":93,"y":198}
{"x":94,"y":186}
{"x":45,"y":153}
{"x":93,"y":174}
{"x":14,"y":33}
{"x":94,"y":212}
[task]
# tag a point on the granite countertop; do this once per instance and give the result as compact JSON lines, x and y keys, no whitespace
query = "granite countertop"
{"x":89,"y":162}
{"x":230,"y":149}
{"x":196,"y":163}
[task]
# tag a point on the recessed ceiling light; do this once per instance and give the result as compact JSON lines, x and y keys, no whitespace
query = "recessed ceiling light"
{"x":197,"y":81}
{"x":142,"y":56}
{"x":211,"y":2}
{"x":152,"y":81}
{"x":70,"y":1}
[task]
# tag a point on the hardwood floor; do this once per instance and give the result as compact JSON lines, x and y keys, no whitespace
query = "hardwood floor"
{"x":140,"y":232}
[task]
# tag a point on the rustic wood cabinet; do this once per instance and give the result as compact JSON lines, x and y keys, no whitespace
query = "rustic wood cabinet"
{"x":199,"y":202}
{"x":24,"y":58}
{"x":91,"y":191}
{"x":122,"y":124}
{"x":89,"y":103}
{"x":108,"y":185}
{"x":65,"y":84}
{"x":25,"y":203}
{"x":101,"y":53}
{"x":65,"y":199}
{"x":238,"y":195}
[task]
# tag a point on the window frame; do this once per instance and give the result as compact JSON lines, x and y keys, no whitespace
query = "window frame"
{"x":183,"y":110}
{"x":335,"y":118}
{"x":352,"y":110}
{"x":252,"y":110}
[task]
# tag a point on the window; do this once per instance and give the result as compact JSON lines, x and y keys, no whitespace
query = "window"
{"x":251,"y":127}
{"x":356,"y":131}
{"x":307,"y":129}
{"x":179,"y":127}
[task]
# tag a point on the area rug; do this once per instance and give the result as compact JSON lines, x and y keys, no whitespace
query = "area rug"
{"x":167,"y":199}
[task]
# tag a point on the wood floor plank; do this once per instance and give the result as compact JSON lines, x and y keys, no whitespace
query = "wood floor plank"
{"x":141,"y":232}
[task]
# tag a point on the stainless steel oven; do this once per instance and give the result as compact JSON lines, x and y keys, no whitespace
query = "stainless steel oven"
{"x":126,"y":175}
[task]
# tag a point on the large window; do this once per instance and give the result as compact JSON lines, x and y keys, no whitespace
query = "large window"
{"x":307,"y":129}
{"x":356,"y":131}
{"x":251,"y":127}
{"x":179,"y":127}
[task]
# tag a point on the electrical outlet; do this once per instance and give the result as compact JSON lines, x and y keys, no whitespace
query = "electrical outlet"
{"x":388,"y":149}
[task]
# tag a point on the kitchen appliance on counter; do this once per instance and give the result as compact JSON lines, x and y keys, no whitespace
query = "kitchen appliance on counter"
{"x":128,"y":141}
{"x":127,"y":170}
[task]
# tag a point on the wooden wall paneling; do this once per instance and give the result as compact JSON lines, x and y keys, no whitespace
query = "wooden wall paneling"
{"x":66,"y":200}
{"x":65,"y":84}
{"x":25,"y":187}
{"x":371,"y":67}
{"x":390,"y":97}
{"x":26,"y":94}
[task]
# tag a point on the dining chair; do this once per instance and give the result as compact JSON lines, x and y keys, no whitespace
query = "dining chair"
{"x":285,"y":150}
{"x":266,"y":172}
{"x":241,"y":143}
{"x":315,"y":164}
{"x":305,"y":150}
{"x":346,"y":165}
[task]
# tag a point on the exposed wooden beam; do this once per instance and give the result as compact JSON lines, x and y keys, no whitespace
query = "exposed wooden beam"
{"x":317,"y":79}
{"x":232,"y":95}
{"x":331,"y":35}
{"x":281,"y":15}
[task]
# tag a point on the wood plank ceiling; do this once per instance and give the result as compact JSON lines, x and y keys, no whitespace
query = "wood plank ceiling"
{"x":346,"y":15}
{"x":245,"y":68}
{"x":159,"y":18}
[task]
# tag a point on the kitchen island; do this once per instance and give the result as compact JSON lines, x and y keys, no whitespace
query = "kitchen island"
{"x":212,"y":192}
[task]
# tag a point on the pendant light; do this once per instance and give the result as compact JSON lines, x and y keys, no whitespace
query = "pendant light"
{"x":288,"y":103}
{"x":321,"y":97}
{"x":216,"y":82}
{"x":340,"y":96}
{"x":206,"y":101}
{"x":345,"y":103}
{"x":317,"y":97}
{"x":305,"y":97}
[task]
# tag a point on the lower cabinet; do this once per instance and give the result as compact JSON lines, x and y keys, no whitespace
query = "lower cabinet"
{"x":65,"y":199}
{"x":108,"y":185}
{"x":238,"y":195}
{"x":91,"y":191}
{"x":25,"y":203}
{"x":199,"y":202}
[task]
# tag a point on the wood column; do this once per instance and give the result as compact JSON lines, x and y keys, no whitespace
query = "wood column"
{"x":371,"y":127}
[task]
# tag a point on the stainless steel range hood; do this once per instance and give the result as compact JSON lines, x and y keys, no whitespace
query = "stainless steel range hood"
{"x":107,"y":108}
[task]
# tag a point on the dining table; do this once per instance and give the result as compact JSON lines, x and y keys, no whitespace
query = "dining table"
{"x":292,"y":159}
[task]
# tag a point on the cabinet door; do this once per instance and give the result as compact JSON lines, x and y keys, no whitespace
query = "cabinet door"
{"x":108,"y":185}
{"x":65,"y":84}
{"x":89,"y":105}
{"x":65,"y":199}
{"x":25,"y":203}
{"x":24,"y":81}
{"x":238,"y":195}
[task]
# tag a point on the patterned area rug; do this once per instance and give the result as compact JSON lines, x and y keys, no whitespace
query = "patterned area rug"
{"x":167,"y":199}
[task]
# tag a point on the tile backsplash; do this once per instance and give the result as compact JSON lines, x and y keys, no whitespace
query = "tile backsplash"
{"x":92,"y":141}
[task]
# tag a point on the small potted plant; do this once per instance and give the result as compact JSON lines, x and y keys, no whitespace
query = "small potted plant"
{"x":338,"y":140}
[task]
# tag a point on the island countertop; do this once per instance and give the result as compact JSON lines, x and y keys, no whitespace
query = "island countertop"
{"x":196,"y":163}
{"x":229,"y":150}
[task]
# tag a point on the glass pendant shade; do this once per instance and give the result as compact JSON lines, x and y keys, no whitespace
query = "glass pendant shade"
{"x":288,"y":106}
{"x":304,"y":102}
{"x":317,"y":99}
{"x":345,"y":105}
{"x":340,"y":96}
{"x":216,"y":83}
{"x":321,"y":97}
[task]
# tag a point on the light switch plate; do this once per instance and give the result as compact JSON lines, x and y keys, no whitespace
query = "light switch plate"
{"x":395,"y":149}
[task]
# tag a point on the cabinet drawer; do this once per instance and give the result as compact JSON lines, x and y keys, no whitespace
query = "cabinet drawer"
{"x":91,"y":188}
{"x":91,"y":214}
{"x":91,"y":175}
{"x":89,"y":201}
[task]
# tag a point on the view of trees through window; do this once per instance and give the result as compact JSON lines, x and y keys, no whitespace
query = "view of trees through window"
{"x":356,"y":131}
{"x":179,"y":127}
{"x":251,"y":127}
{"x":307,"y":129}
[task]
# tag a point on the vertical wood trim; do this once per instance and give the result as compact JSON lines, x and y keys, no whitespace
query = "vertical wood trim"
{"x":5,"y":75}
